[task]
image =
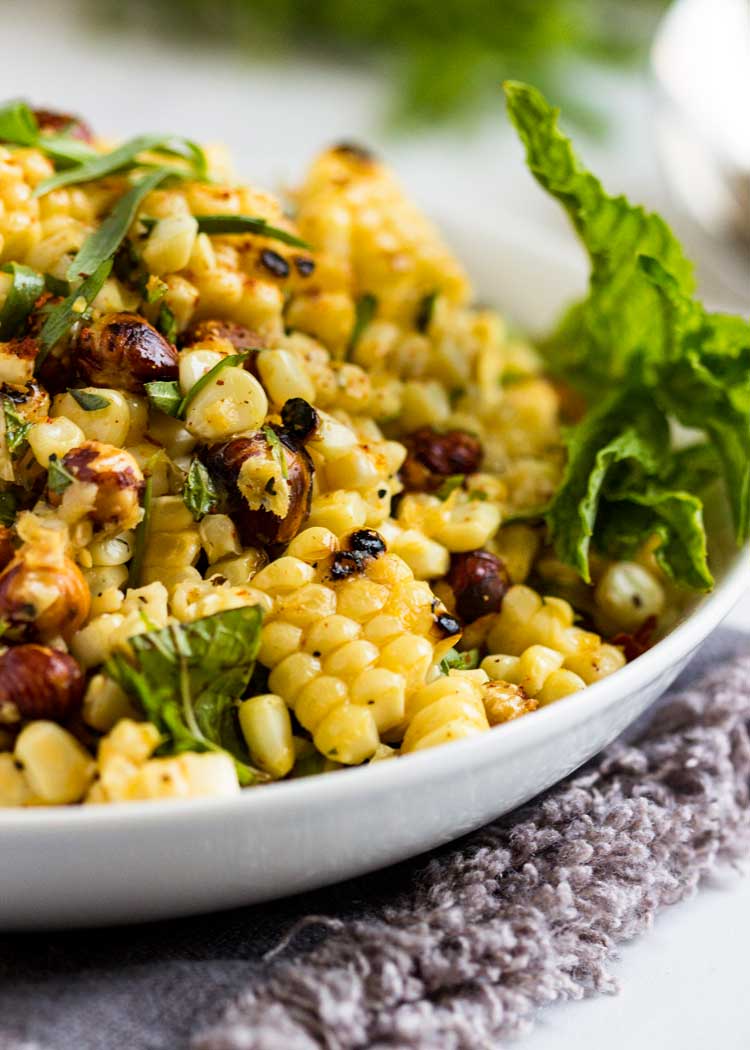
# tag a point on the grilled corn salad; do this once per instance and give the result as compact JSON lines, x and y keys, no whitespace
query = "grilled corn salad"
{"x":271,"y":486}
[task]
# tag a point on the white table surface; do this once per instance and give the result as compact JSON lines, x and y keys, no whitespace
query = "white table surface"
{"x":685,"y":983}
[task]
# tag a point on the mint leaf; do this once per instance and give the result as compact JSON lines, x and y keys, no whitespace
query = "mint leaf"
{"x":199,"y":493}
{"x":16,"y":427}
{"x":18,"y":125}
{"x":58,"y":476}
{"x":188,"y":679}
{"x":165,"y":395}
{"x":89,"y":402}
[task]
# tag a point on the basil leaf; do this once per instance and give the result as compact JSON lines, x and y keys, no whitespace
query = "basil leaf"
{"x":188,"y":679}
{"x":106,"y":238}
{"x":25,"y":289}
{"x":141,"y":537}
{"x":231,"y":361}
{"x":125,"y":157}
{"x":58,"y":476}
{"x":277,"y":451}
{"x":16,"y":427}
{"x":248,"y":224}
{"x":365,"y":309}
{"x":18,"y":125}
{"x":89,"y":402}
{"x":199,"y":493}
{"x":165,"y":395}
{"x":66,"y":313}
{"x":167,"y":324}
{"x":8,"y":508}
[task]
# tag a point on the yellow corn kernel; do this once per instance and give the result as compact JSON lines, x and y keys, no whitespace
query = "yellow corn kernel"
{"x":426,"y":558}
{"x":54,"y":438}
{"x":277,"y":641}
{"x":410,"y":655}
{"x":381,"y":629}
{"x":445,"y":685}
{"x":349,"y":660}
{"x":284,"y":576}
{"x":558,"y":685}
{"x":357,"y":469}
{"x":595,"y":664}
{"x":383,"y":692}
{"x":189,"y":775}
{"x":238,"y":570}
{"x":306,"y":606}
{"x":448,"y":733}
{"x":14,"y":785}
{"x":134,"y":741}
{"x":169,"y":514}
{"x":58,"y":769}
{"x":330,"y":633}
{"x":361,"y":599}
{"x":628,"y":594}
{"x":219,"y":537}
{"x":172,"y":549}
{"x":267,"y":729}
{"x":517,"y":545}
{"x":231,"y":402}
{"x":109,"y":424}
{"x":105,"y":704}
{"x":313,"y":545}
{"x":468,"y":526}
{"x":347,"y":734}
{"x":339,"y":512}
{"x":112,"y":550}
{"x":290,"y":676}
{"x":170,"y":244}
{"x":283,"y":376}
{"x":510,"y":628}
{"x":317,"y":698}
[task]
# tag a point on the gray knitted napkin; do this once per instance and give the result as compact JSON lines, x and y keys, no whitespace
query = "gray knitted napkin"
{"x":454,"y":951}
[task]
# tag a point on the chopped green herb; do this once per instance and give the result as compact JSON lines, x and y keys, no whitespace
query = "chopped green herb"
{"x":223,"y":224}
{"x":188,"y":678}
{"x":16,"y":428}
{"x":89,"y":402}
{"x":277,"y":450}
{"x":56,"y":285}
{"x":124,"y":158}
{"x":8,"y":507}
{"x":425,"y":312}
{"x":155,"y":289}
{"x":167,"y":323}
{"x":141,"y":538}
{"x":165,"y":395}
{"x":232,"y":361}
{"x":449,"y":485}
{"x":106,"y":238}
{"x":18,"y":125}
{"x":63,"y":316}
{"x":455,"y":661}
{"x":365,"y":309}
{"x":26,"y":287}
{"x":199,"y":493}
{"x":478,"y":495}
{"x":58,"y":476}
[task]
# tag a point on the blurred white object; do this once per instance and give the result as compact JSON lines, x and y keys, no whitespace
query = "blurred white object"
{"x":701,"y":60}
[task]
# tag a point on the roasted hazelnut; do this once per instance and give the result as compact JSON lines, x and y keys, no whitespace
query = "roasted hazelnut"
{"x":7,"y":546}
{"x":53,"y":123}
{"x":118,"y":479}
{"x":39,"y":682}
{"x":30,"y":400}
{"x":42,"y":596}
{"x":239,"y":335}
{"x":432,"y":457}
{"x":17,"y":358}
{"x":479,"y":580}
{"x":124,"y":351}
{"x":268,"y":503}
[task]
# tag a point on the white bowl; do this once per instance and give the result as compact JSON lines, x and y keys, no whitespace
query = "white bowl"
{"x":131,"y":862}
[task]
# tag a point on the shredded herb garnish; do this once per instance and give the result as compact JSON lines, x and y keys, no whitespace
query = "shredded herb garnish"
{"x":449,"y":485}
{"x":165,"y":395}
{"x":365,"y":309}
{"x":455,"y":661}
{"x":200,"y":494}
{"x":167,"y":323}
{"x":26,"y":287}
{"x":66,"y":313}
{"x":16,"y":428}
{"x":425,"y":312}
{"x":223,"y":224}
{"x":89,"y":402}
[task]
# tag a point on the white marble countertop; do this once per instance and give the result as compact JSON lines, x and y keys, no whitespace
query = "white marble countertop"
{"x":685,"y":983}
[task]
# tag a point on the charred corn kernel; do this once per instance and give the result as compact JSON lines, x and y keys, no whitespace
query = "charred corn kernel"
{"x":597,"y":663}
{"x":57,"y":767}
{"x":338,"y":512}
{"x":14,"y":785}
{"x":110,"y":423}
{"x":317,"y":698}
{"x":283,"y":376}
{"x":169,"y":514}
{"x":292,"y":674}
{"x":629,"y":595}
{"x":231,"y":402}
{"x":330,"y":633}
{"x":383,"y":692}
{"x":277,"y":641}
{"x":504,"y":701}
{"x":347,"y":734}
{"x":267,"y":729}
{"x":170,"y":244}
{"x":105,"y":704}
{"x":219,"y":538}
{"x":313,"y":545}
{"x":517,"y":545}
{"x":558,"y":685}
{"x":284,"y":576}
{"x":54,"y":438}
{"x":426,"y":558}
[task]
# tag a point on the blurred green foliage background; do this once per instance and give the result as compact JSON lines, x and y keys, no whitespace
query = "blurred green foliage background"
{"x":444,"y":58}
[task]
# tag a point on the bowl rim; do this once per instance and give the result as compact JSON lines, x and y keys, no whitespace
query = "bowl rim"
{"x":385,"y":777}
